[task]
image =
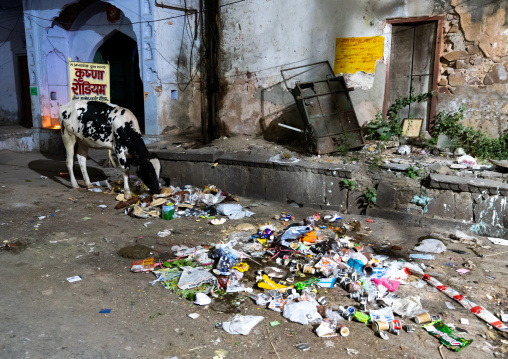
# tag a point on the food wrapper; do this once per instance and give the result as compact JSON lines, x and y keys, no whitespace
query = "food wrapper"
{"x":143,"y":265}
{"x":447,"y":336}
{"x":362,"y":317}
{"x":326,"y":266}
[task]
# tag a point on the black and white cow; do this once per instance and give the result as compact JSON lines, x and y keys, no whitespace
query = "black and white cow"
{"x":94,"y":124}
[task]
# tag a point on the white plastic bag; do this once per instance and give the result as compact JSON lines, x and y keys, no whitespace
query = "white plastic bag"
{"x":233,"y":211}
{"x":301,"y":312}
{"x":431,"y":245}
{"x":241,"y":324}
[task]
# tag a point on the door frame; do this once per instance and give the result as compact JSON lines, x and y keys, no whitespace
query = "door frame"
{"x":437,"y":55}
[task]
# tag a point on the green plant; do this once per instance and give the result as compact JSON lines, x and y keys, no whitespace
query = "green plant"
{"x":345,"y":143}
{"x":414,"y":172}
{"x":379,"y":129}
{"x":349,"y":184}
{"x":370,"y":196}
{"x":474,"y":142}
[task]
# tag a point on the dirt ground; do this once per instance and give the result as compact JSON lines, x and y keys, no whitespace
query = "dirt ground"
{"x":42,"y":315}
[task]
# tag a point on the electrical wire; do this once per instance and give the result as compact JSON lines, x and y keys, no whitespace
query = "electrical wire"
{"x":12,"y":30}
{"x":135,"y":22}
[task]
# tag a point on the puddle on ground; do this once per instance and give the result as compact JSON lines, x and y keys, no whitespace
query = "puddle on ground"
{"x":137,"y":251}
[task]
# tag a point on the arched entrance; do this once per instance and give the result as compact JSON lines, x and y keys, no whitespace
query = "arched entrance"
{"x":126,"y":87}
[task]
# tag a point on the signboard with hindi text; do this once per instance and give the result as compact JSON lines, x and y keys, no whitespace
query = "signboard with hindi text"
{"x":89,"y":81}
{"x":353,"y":54}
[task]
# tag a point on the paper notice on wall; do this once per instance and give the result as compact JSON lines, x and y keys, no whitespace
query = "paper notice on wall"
{"x":354,"y":54}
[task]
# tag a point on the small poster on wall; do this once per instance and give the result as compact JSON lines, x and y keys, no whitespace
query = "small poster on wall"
{"x":89,"y":81}
{"x":353,"y":54}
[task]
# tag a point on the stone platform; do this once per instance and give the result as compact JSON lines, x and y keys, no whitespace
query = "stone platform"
{"x":444,"y":202}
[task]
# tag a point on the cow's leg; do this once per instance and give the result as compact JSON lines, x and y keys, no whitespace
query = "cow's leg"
{"x":69,"y":141}
{"x":124,"y":165}
{"x":126,"y":189}
{"x":81,"y":155}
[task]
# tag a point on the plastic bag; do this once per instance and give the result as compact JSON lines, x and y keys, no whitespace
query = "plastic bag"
{"x":407,"y":307}
{"x":240,"y":236}
{"x":431,"y":245}
{"x":301,"y":312}
{"x":241,"y":324}
{"x":233,"y":211}
{"x":384,"y":314}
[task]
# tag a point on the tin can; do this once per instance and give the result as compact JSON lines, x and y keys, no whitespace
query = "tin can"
{"x":409,"y":328}
{"x":423,"y":318}
{"x":378,"y":326}
{"x":168,"y":211}
{"x":363,"y":304}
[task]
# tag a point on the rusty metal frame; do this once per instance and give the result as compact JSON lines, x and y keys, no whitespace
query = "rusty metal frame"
{"x":437,"y":55}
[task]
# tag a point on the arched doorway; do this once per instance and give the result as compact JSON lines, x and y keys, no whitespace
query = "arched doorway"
{"x":126,"y":87}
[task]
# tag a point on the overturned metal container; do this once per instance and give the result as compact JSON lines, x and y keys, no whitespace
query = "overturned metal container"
{"x":325,"y":106}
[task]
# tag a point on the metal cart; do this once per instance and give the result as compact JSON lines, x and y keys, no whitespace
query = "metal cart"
{"x":325,"y":106}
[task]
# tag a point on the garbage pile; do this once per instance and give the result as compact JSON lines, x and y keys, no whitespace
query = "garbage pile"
{"x":188,"y":201}
{"x":291,"y":263}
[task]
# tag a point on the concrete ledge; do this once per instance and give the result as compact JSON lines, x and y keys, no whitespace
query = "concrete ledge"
{"x":468,"y":203}
{"x":468,"y":184}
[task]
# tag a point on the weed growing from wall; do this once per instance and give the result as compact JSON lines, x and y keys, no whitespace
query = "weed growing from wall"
{"x":379,"y":129}
{"x":474,"y":142}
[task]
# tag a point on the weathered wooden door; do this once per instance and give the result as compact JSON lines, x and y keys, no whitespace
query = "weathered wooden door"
{"x":411,"y":66}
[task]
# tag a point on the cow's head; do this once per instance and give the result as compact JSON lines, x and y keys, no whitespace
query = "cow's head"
{"x":149,"y":172}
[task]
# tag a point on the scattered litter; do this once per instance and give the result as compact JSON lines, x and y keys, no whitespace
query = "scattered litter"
{"x":431,"y":245}
{"x":499,"y":241}
{"x":163,"y":233}
{"x":464,"y":321}
{"x":233,"y":211}
{"x":217,"y":221}
{"x":73,"y":279}
{"x":105,"y":311}
{"x":463,"y":270}
{"x":202,"y":299}
{"x":103,"y":206}
{"x":220,"y":354}
{"x":193,"y":315}
{"x":274,"y":323}
{"x":449,"y":305}
{"x":478,"y":310}
{"x":143,"y":265}
{"x":303,"y":347}
{"x":241,"y":324}
{"x":447,"y":336}
{"x":421,"y":256}
{"x":146,"y":224}
{"x":352,"y":351}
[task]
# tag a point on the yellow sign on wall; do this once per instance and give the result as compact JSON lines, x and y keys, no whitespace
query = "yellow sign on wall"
{"x":89,"y":81}
{"x":353,"y":54}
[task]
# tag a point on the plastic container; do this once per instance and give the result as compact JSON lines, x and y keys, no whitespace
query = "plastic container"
{"x":168,"y":211}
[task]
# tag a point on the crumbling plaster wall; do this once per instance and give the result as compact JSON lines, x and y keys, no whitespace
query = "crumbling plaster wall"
{"x":177,"y":88}
{"x":474,"y":63}
{"x":261,"y":37}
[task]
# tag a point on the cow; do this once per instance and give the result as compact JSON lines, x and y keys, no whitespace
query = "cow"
{"x":94,"y":124}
